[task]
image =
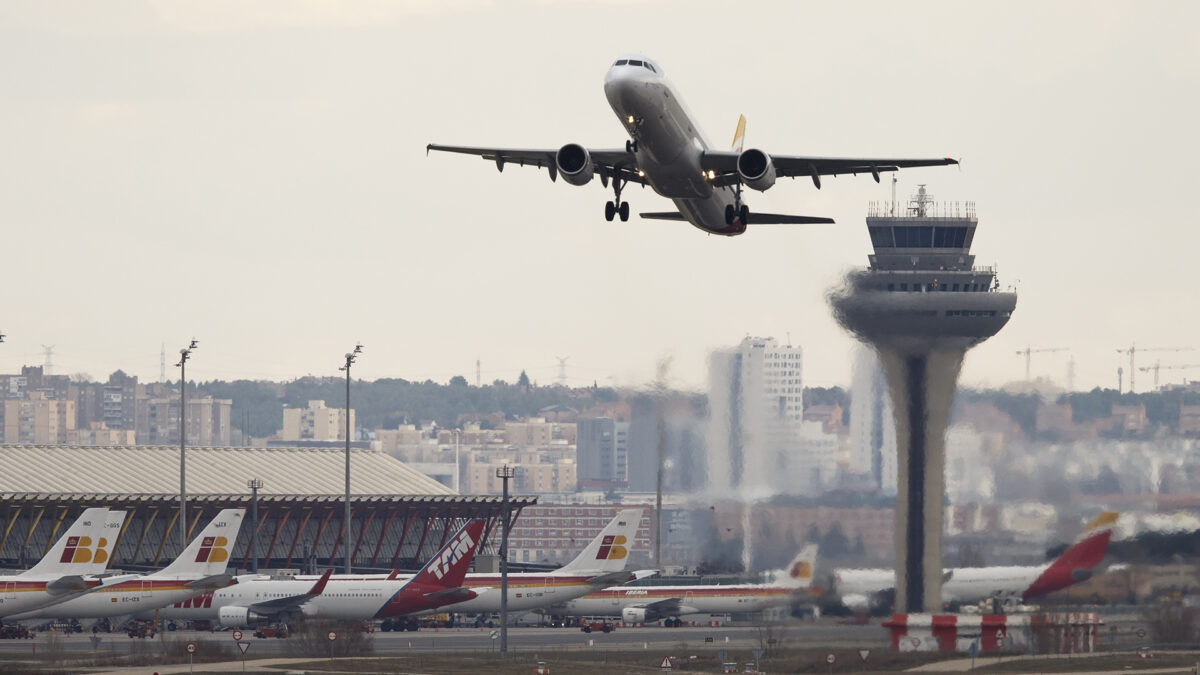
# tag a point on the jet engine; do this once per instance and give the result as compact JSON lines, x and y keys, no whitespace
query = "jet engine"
{"x":238,"y":617}
{"x":638,"y":615}
{"x":756,"y":169}
{"x":574,"y":164}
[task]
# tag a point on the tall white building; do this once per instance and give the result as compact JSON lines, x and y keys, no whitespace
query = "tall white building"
{"x":872,"y":426}
{"x":756,"y":411}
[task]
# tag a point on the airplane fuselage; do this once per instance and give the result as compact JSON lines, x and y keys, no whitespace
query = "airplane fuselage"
{"x":126,"y":597}
{"x":706,"y":599}
{"x":669,"y":146}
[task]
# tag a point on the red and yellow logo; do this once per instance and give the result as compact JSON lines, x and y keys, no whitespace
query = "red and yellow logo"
{"x":101,"y":552}
{"x":213,"y":550}
{"x":77,"y":550}
{"x":612,"y":547}
{"x":802,"y":570}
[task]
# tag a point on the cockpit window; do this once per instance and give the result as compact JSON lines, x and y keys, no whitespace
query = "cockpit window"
{"x":621,"y":62}
{"x":634,"y":62}
{"x":647,"y":64}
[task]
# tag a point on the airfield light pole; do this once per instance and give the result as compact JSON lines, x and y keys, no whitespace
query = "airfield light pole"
{"x":350,"y":358}
{"x":183,"y":357}
{"x":254,"y":484}
{"x":504,"y":473}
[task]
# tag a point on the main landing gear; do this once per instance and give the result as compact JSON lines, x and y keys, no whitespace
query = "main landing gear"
{"x":617,"y":207}
{"x":631,"y":146}
{"x":737,"y":209}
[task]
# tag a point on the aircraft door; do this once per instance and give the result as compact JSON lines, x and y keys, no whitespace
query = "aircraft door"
{"x":548,"y":589}
{"x":147,"y":587}
{"x":689,"y":599}
{"x":10,"y":590}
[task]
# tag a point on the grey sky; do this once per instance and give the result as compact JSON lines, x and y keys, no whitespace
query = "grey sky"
{"x":254,"y":175}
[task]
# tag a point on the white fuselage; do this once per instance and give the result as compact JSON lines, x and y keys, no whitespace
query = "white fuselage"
{"x":669,"y":145}
{"x":706,"y":599}
{"x":967,"y":584}
{"x":342,"y":599}
{"x":20,"y":594}
{"x":119,"y":599}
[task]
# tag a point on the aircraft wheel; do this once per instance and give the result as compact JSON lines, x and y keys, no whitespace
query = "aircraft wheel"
{"x":745,"y":214}
{"x":624,"y":211}
{"x":628,"y":146}
{"x":729,"y":214}
{"x":610,"y":210}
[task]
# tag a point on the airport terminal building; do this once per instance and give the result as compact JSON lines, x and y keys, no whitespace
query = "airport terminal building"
{"x":400,"y":517}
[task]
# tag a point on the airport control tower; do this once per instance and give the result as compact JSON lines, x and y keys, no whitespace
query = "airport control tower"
{"x":921,"y":303}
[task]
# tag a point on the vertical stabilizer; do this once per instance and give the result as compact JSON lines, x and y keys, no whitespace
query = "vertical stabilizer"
{"x":108,"y":540}
{"x":609,"y":551}
{"x":75,"y":551}
{"x":800,"y":571}
{"x":449,"y":566}
{"x":208,"y":553}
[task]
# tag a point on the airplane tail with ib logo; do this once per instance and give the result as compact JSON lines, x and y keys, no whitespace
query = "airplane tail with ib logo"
{"x":800,"y":572}
{"x":609,"y":551}
{"x":76,"y":551}
{"x":208,"y":554}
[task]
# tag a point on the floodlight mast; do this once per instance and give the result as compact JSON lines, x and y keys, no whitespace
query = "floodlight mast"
{"x":350,"y":359}
{"x":182,"y":365}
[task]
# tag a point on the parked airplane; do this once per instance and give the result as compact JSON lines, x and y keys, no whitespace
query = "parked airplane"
{"x":667,"y":151}
{"x":639,"y":604}
{"x":200,"y":568}
{"x":600,"y":564}
{"x":256,"y":599}
{"x":1009,"y":584}
{"x":66,"y":570}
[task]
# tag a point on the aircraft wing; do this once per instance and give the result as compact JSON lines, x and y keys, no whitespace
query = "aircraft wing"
{"x":607,"y":163}
{"x":275,"y":605}
{"x":724,"y":163}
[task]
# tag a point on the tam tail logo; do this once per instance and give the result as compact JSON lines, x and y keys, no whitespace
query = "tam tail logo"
{"x":77,"y":550}
{"x":613,"y":548}
{"x":213,"y":550}
{"x":457,"y":550}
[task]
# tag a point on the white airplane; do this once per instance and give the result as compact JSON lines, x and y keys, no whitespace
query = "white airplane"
{"x":1009,"y":584}
{"x":639,"y":604}
{"x":667,"y":151}
{"x":256,"y":599}
{"x":67,"y":569}
{"x":201,"y":567}
{"x":600,"y":564}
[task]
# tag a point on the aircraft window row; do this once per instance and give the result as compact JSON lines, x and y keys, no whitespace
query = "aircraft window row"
{"x":970,"y":312}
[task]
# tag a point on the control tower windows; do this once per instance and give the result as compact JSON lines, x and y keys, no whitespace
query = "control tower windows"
{"x":881,"y":237}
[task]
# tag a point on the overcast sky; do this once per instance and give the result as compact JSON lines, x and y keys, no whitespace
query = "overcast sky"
{"x":253,"y":174}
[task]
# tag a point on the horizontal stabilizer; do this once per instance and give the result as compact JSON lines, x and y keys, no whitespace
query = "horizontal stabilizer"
{"x":211,"y":582}
{"x":451,"y":592}
{"x":611,"y":579}
{"x":663,"y":215}
{"x":757,"y":218}
{"x":71,"y":583}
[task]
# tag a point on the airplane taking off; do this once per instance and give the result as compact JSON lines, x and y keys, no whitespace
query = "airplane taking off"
{"x":1009,"y":584}
{"x":667,"y":151}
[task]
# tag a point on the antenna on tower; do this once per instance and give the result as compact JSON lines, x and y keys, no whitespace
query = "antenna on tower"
{"x":894,"y":179}
{"x":562,"y":370}
{"x":162,"y":364}
{"x":478,"y":374}
{"x":48,"y":365}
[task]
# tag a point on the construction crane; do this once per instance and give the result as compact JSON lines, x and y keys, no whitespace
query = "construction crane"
{"x":1133,"y":350}
{"x":1030,"y":350}
{"x":1157,"y":366}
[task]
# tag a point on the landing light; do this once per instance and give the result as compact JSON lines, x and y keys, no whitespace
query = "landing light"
{"x":641,"y":173}
{"x":629,"y":119}
{"x":711,"y":174}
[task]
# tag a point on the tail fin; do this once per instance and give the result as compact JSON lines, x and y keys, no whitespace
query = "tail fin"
{"x":449,"y":566}
{"x":108,"y":540}
{"x":610,"y":549}
{"x":75,"y":551}
{"x":208,"y":553}
{"x":1076,"y":563}
{"x":739,"y":136}
{"x":800,"y":572}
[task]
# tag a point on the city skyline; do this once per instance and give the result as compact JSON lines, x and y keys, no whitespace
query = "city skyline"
{"x":254,"y":177}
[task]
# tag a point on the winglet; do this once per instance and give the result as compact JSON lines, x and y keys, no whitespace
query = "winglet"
{"x":319,"y":587}
{"x":739,"y":136}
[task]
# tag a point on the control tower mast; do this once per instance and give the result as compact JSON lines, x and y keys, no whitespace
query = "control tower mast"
{"x":921,"y":303}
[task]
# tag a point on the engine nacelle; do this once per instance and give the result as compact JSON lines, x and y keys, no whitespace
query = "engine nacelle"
{"x":756,"y":169}
{"x":637,"y":615}
{"x":239,"y":617}
{"x":574,"y":164}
